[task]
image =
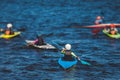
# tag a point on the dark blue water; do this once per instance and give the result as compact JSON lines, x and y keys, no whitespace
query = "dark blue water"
{"x":58,"y":21}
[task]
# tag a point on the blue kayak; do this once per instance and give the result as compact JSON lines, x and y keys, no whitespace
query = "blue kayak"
{"x":67,"y":64}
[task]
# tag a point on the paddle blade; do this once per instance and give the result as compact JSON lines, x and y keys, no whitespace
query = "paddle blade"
{"x":95,"y":31}
{"x":1,"y":30}
{"x":85,"y":63}
{"x":21,"y":29}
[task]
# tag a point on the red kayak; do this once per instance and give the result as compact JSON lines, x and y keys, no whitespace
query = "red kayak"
{"x":102,"y":25}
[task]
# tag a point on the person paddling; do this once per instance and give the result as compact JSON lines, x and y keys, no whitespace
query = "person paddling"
{"x":112,"y":30}
{"x":68,"y":54}
{"x":99,"y":20}
{"x":39,"y":41}
{"x":9,"y":31}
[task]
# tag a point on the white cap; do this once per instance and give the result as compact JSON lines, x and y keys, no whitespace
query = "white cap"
{"x":67,"y":46}
{"x":9,"y":25}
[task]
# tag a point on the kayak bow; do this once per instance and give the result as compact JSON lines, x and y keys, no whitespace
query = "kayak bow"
{"x":9,"y":36}
{"x":67,"y":64}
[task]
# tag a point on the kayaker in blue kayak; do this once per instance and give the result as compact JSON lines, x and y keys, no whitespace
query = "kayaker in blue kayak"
{"x":39,"y":41}
{"x":99,"y":20}
{"x":9,"y":31}
{"x":112,"y":30}
{"x":68,"y":54}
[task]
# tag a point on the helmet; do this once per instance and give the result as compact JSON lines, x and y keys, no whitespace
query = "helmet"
{"x":67,"y":46}
{"x":98,"y":17}
{"x":9,"y":25}
{"x":112,"y":25}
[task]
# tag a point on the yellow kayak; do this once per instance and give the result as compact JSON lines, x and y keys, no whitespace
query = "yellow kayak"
{"x":9,"y":36}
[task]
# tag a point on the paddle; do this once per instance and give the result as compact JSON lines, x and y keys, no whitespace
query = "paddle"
{"x":82,"y":61}
{"x":20,"y":29}
{"x":1,"y":30}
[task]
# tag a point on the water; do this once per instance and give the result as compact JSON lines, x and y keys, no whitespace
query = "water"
{"x":58,"y":21}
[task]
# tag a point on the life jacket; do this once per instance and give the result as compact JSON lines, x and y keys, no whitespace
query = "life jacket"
{"x":112,"y":31}
{"x":7,"y":32}
{"x":67,"y":52}
{"x":68,"y":56}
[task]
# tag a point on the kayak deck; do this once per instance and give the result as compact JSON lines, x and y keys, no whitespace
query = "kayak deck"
{"x":67,"y":64}
{"x":102,"y":25}
{"x":116,"y":36}
{"x":47,"y":46}
{"x":9,"y":36}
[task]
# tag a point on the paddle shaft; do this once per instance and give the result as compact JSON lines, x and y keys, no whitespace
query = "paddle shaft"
{"x":2,"y":30}
{"x":20,"y":29}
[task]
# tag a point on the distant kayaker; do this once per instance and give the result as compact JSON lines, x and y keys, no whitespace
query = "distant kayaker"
{"x":39,"y":41}
{"x":9,"y":31}
{"x":99,"y":20}
{"x":68,"y":54}
{"x":112,"y":30}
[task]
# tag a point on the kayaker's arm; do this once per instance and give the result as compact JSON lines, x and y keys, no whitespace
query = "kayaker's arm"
{"x":73,"y":54}
{"x":107,"y":30}
{"x":35,"y":41}
{"x":63,"y":51}
{"x":116,"y":30}
{"x":32,"y":43}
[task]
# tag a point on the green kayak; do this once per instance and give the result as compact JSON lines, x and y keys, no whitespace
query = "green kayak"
{"x":116,"y":36}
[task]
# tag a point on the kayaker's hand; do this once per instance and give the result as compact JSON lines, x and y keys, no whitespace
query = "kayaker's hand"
{"x":78,"y":58}
{"x":63,"y":48}
{"x":1,"y":30}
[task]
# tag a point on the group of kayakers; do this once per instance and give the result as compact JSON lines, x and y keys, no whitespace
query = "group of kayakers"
{"x":99,"y":20}
{"x":111,"y":30}
{"x":8,"y":31}
{"x":68,"y":54}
